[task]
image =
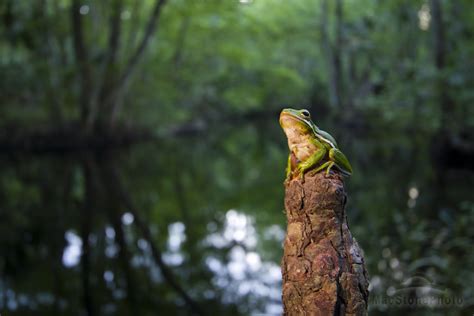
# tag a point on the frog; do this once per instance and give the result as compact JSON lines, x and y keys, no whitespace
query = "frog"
{"x":311,"y":149}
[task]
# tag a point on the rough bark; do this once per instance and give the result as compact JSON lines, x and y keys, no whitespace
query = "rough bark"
{"x":323,"y":267}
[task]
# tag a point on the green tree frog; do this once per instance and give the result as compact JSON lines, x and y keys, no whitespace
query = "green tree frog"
{"x":310,"y":147}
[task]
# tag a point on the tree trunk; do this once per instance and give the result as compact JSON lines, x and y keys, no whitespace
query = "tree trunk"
{"x":446,"y":104}
{"x":333,"y":52}
{"x":323,"y":267}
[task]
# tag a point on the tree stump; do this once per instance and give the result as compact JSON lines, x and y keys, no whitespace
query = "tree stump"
{"x":323,"y":267}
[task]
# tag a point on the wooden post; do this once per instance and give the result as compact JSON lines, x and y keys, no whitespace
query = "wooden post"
{"x":323,"y":266}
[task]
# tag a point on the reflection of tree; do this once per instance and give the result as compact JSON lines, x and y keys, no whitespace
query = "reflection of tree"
{"x":115,"y":215}
{"x":87,"y":217}
{"x":112,"y":181}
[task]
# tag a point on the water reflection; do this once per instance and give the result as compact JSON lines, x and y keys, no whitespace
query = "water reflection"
{"x":174,"y":256}
{"x":72,"y":252}
{"x":238,"y":228}
{"x":243,"y":273}
{"x":127,"y":218}
{"x":212,"y":212}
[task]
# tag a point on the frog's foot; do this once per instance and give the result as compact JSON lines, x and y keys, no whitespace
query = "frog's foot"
{"x":323,"y":166}
{"x":314,"y":171}
{"x":287,"y":180}
{"x":301,"y":176}
{"x":329,"y":168}
{"x":288,"y":173}
{"x":300,"y":173}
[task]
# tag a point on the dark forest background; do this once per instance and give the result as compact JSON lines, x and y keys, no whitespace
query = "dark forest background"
{"x":141,"y":160}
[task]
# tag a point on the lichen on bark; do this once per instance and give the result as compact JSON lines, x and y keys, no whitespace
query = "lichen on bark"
{"x":323,"y":267}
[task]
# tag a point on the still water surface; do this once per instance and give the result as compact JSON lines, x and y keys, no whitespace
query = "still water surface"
{"x":213,"y":203}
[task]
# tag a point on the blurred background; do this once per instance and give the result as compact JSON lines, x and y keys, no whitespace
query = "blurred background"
{"x":142,"y":164}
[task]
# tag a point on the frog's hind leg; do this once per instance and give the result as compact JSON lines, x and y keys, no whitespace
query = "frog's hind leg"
{"x":337,"y":159}
{"x":340,"y":161}
{"x":327,"y":164}
{"x":330,"y":165}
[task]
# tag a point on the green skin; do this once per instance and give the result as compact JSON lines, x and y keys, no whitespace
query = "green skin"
{"x":310,"y":147}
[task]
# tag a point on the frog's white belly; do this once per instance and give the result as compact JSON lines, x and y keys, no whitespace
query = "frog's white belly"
{"x":302,"y":147}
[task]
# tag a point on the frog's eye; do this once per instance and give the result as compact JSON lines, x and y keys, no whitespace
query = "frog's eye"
{"x":305,"y":113}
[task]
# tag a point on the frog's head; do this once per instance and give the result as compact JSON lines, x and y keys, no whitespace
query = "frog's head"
{"x":296,"y":124}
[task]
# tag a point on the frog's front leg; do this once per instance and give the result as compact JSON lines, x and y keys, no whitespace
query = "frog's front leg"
{"x":312,"y":160}
{"x":288,"y":168}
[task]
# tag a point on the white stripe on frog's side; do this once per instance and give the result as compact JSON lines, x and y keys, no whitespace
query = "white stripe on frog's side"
{"x":315,"y":130}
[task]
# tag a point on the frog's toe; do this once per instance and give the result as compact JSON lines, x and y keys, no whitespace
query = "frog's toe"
{"x":329,"y":168}
{"x":301,"y":175}
{"x":312,"y":172}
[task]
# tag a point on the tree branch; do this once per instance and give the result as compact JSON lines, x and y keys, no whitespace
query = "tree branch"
{"x":332,"y":52}
{"x":178,"y":53}
{"x":438,"y":34}
{"x":111,"y":56}
{"x":81,"y":53}
{"x":337,"y":58}
{"x":115,"y":31}
{"x":134,"y":60}
{"x":150,"y":29}
{"x":439,"y":50}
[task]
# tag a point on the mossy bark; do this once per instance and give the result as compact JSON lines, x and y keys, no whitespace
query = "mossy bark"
{"x":323,"y":267}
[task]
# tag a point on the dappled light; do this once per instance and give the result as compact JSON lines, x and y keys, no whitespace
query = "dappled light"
{"x":72,"y":252}
{"x":243,"y":273}
{"x":142,"y":163}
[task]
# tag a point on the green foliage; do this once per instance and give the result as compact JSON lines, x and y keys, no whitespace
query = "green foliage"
{"x":209,"y":84}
